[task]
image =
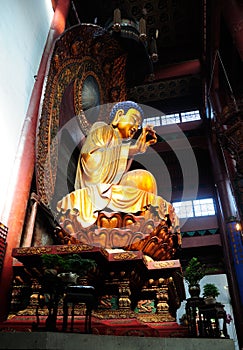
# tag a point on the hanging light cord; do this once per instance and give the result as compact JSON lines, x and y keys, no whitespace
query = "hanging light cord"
{"x":226,"y":77}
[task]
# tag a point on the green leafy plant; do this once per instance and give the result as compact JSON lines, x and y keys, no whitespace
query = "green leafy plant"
{"x":51,"y":261}
{"x":194,"y":272}
{"x":210,"y":290}
{"x":67,"y":263}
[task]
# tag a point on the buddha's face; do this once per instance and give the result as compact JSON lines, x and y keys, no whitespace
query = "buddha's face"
{"x":129,"y":123}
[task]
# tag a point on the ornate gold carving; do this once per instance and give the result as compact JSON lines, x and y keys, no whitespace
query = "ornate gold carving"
{"x":33,"y":250}
{"x":124,"y":256}
{"x":163,"y":264}
{"x":77,"y":248}
{"x":124,"y":295}
{"x":155,"y":318}
{"x":114,"y":314}
{"x":145,"y":306}
{"x":162,"y":297}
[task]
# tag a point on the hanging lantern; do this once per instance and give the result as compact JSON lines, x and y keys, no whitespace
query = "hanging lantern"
{"x":117,"y":20}
{"x":142,"y":29}
{"x":153,"y":50}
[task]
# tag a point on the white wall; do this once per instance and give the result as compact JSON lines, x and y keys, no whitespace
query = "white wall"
{"x":24,"y":28}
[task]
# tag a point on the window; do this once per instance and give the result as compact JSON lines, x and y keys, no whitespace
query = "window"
{"x":155,"y":121}
{"x":170,"y":119}
{"x":174,"y":118}
{"x":190,"y":116}
{"x":195,"y":208}
{"x":203,"y":207}
{"x":184,"y":209}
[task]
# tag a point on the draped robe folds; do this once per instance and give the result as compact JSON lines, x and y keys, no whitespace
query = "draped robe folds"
{"x":102,"y":181}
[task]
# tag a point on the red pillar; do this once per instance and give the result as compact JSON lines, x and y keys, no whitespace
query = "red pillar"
{"x":20,"y":184}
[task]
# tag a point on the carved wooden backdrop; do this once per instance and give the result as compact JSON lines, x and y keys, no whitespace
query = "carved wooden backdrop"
{"x":87,"y":69}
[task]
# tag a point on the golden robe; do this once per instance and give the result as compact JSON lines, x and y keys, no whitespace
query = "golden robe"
{"x":102,"y":181}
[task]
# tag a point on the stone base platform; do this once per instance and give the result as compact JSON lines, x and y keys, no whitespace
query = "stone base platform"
{"x":66,"y":341}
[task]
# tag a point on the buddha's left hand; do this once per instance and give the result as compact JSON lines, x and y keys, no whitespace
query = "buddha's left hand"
{"x":145,"y":139}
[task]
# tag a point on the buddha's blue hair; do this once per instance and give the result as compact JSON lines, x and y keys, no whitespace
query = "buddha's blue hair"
{"x":125,"y":105}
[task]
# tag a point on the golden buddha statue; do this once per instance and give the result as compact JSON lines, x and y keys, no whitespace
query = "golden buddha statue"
{"x":103,"y":180}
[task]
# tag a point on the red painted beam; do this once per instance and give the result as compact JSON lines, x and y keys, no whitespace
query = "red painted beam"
{"x":202,"y":241}
{"x":179,"y":69}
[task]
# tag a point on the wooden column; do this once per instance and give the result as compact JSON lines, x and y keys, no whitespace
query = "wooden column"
{"x":27,"y":239}
{"x":227,"y":210}
{"x":14,"y":212}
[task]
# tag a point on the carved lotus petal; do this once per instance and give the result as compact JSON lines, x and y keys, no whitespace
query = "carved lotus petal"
{"x":120,"y":238}
{"x":109,"y":220}
{"x":100,"y":238}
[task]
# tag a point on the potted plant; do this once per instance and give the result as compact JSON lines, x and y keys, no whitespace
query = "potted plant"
{"x":72,"y":265}
{"x":58,"y":272}
{"x":193,"y":273}
{"x":210,"y":292}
